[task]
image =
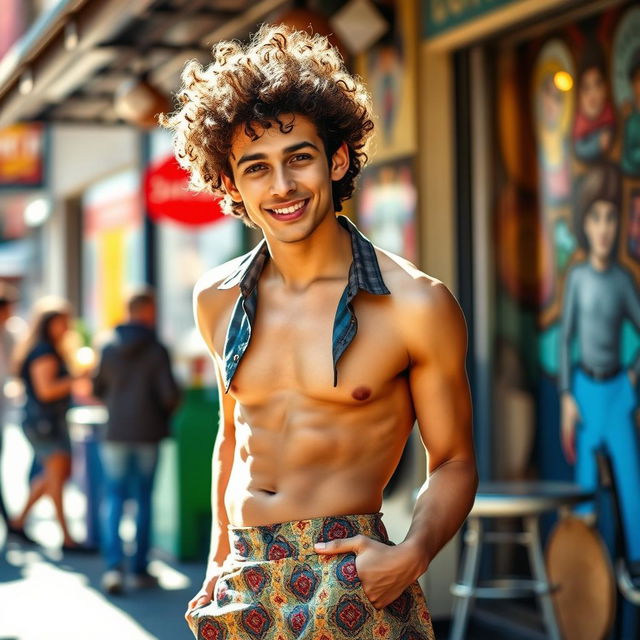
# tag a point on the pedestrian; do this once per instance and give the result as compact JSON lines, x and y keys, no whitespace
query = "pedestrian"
{"x":8,"y":297}
{"x":135,"y":381}
{"x":41,"y":364}
{"x":327,"y":349}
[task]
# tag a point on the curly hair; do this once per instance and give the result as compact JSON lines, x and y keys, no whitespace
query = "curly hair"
{"x":279,"y":71}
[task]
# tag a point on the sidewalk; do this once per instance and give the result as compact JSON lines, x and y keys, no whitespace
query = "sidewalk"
{"x":47,"y":596}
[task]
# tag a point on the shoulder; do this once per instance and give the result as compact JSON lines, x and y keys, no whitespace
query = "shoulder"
{"x":577,"y":272}
{"x":423,"y":305}
{"x":624,"y":275}
{"x":41,"y":349}
{"x":212,"y":300}
{"x":414,"y":291}
{"x":207,"y":290}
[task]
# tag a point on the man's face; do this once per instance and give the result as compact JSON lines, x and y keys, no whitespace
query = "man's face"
{"x":146,"y":315}
{"x":600,"y":227}
{"x":593,"y":93}
{"x":284,"y":179}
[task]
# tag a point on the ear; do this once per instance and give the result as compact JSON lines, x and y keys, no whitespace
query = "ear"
{"x":230,"y":187}
{"x":340,"y":162}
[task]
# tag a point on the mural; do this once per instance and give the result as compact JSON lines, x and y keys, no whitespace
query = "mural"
{"x":389,"y":69}
{"x":568,"y":303}
{"x":387,"y":207}
{"x":598,"y":396}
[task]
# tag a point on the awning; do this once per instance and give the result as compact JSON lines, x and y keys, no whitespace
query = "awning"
{"x":68,"y":65}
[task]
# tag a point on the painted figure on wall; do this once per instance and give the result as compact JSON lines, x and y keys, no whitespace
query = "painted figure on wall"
{"x":625,"y":85}
{"x":598,"y":397}
{"x":630,"y":160}
{"x":594,"y":125}
{"x":387,"y":207}
{"x":553,"y":110}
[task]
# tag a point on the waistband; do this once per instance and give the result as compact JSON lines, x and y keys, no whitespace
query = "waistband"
{"x":297,"y":537}
{"x":601,"y":375}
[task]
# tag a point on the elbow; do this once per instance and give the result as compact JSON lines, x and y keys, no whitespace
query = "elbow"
{"x":46,"y":395}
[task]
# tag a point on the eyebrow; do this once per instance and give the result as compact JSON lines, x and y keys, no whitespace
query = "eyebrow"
{"x":261,"y":156}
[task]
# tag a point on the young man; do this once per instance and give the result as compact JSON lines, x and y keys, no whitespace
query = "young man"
{"x":326,"y":350}
{"x":598,"y":398}
{"x":135,"y":381}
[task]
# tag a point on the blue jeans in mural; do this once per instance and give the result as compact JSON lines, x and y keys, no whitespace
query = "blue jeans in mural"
{"x":129,"y":469}
{"x":607,"y":408}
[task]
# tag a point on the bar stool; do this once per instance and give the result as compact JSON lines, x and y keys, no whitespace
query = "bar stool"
{"x":496,"y":500}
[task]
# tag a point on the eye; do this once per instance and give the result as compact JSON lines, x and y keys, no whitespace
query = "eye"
{"x":254,"y":168}
{"x":299,"y":157}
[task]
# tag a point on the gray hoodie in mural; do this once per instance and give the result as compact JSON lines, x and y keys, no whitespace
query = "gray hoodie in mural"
{"x":135,"y":382}
{"x":594,"y":306}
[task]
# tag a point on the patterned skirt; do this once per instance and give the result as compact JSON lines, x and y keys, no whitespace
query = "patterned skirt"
{"x":276,"y":587}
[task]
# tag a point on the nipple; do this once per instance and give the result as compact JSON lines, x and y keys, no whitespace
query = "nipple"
{"x":361,"y":393}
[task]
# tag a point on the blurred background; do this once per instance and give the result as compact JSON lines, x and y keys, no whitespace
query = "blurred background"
{"x":491,"y":115}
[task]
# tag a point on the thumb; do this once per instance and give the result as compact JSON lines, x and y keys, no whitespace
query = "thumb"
{"x":340,"y":545}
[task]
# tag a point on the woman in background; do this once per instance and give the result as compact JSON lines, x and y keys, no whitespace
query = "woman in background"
{"x":40,"y":363}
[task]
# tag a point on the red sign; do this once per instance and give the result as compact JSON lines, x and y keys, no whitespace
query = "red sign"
{"x":167,"y":196}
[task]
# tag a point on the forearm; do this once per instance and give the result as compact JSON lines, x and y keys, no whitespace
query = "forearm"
{"x":221,"y":468}
{"x":55,"y":390}
{"x":443,"y":503}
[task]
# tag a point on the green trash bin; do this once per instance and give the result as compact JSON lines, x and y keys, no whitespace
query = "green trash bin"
{"x":182,"y":491}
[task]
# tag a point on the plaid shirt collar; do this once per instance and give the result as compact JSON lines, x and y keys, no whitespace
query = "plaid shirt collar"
{"x":364,"y":274}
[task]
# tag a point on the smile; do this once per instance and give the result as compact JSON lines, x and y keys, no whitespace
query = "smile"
{"x":290,"y":211}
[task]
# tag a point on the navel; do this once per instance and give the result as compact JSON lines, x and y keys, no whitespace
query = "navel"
{"x":361,"y":393}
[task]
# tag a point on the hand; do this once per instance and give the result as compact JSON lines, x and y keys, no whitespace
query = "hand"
{"x":570,"y":417}
{"x":633,"y":378}
{"x":384,"y":571}
{"x":205,"y":595}
{"x":81,"y":387}
{"x":605,"y":139}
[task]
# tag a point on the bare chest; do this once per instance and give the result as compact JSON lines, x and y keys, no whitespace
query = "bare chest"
{"x":292,"y":350}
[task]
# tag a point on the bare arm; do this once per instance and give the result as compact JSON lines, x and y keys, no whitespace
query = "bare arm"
{"x":47,"y":386}
{"x":436,"y":341}
{"x":206,"y":311}
{"x":442,"y":401}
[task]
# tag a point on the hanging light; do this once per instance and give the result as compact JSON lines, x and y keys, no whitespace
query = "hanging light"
{"x":138,"y":102}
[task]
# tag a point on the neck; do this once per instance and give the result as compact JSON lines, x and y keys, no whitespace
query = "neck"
{"x":599,"y":263}
{"x":325,"y":253}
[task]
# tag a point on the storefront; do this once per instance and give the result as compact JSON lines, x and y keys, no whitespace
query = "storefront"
{"x":24,"y":208}
{"x":538,"y":106}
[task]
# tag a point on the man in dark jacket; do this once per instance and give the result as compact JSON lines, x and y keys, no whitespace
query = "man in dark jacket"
{"x":135,"y":381}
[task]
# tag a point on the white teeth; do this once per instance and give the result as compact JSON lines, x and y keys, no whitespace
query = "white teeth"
{"x":291,"y":209}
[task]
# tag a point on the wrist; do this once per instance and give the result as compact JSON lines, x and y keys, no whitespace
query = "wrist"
{"x":416,"y":558}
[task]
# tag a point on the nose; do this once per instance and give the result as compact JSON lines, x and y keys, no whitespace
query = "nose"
{"x":282,"y":183}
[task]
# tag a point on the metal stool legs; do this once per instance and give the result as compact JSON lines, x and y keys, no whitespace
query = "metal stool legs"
{"x":539,"y":572}
{"x":467,"y":589}
{"x":469,"y":579}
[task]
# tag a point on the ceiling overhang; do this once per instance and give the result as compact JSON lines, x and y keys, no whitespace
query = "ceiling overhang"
{"x":68,"y":65}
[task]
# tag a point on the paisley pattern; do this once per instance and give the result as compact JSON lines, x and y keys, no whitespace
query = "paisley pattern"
{"x":275,"y":587}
